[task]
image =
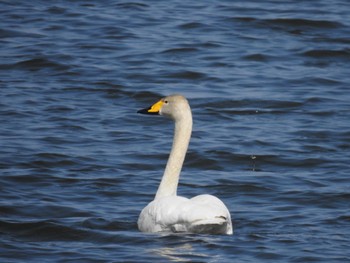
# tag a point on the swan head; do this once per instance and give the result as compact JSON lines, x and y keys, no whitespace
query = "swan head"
{"x":173,"y":106}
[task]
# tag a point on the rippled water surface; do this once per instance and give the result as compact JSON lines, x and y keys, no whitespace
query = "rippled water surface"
{"x":268,"y":83}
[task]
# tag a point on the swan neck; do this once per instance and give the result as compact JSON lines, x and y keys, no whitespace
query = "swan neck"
{"x":182,"y":135}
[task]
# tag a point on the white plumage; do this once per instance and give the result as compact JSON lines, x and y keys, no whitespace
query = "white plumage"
{"x":169,"y":212}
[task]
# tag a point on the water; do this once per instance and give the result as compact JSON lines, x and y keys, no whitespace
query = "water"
{"x":268,"y":83}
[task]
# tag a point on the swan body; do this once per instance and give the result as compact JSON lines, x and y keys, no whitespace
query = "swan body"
{"x":169,"y":212}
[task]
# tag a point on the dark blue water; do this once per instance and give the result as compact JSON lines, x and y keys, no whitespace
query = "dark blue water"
{"x":268,"y":83}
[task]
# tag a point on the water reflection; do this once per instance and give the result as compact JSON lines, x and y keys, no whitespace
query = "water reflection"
{"x":181,"y":253}
{"x":187,"y":249}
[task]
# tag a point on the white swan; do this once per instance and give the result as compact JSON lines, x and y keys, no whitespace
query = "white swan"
{"x":169,"y":212}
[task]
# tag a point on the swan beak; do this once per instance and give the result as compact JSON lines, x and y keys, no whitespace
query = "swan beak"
{"x":154,"y":109}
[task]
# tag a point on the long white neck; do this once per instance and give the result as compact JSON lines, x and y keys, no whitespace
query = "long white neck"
{"x":182,"y":135}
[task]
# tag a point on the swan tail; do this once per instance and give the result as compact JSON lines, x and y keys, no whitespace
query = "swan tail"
{"x":218,"y":225}
{"x":202,"y":227}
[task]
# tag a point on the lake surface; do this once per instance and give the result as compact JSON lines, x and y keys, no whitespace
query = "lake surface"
{"x":268,"y":83}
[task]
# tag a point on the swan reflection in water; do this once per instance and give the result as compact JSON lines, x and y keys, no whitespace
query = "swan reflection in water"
{"x":175,"y":249}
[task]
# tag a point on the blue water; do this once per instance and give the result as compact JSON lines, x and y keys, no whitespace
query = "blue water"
{"x":268,"y":83}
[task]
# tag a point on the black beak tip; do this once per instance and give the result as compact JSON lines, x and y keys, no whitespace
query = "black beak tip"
{"x":143,"y":111}
{"x":146,"y":111}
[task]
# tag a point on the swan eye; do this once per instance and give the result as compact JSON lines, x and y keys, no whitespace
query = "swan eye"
{"x":166,"y":102}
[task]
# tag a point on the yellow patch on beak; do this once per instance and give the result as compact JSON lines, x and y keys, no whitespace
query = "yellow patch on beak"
{"x":155,"y":108}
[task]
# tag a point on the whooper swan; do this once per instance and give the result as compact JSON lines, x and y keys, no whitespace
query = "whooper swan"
{"x":169,"y":212}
